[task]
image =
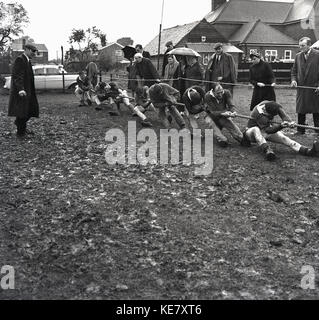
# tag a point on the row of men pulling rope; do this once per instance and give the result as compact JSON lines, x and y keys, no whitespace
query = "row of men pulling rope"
{"x":219,"y":111}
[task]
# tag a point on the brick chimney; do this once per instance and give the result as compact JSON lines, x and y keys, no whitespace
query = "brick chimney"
{"x":217,"y":3}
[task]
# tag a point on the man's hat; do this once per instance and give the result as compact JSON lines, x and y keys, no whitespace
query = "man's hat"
{"x":218,"y":45}
{"x":254,"y":54}
{"x":30,"y":46}
{"x":169,"y":43}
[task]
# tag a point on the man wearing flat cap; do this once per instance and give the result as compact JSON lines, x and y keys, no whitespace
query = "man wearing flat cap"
{"x":221,"y":68}
{"x":23,"y":103}
{"x":169,"y":47}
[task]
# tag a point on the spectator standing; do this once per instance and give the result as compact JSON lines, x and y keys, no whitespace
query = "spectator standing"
{"x":147,"y":74}
{"x":221,"y":68}
{"x":171,"y":72}
{"x":262,"y":78}
{"x":23,"y":103}
{"x":194,"y":72}
{"x":305,"y":72}
{"x":139,"y":49}
{"x":169,"y":47}
{"x":132,"y":76}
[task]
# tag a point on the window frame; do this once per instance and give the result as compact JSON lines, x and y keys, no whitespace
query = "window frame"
{"x":290,"y":54}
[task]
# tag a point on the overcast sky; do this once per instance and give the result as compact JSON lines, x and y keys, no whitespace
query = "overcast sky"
{"x":51,"y":22}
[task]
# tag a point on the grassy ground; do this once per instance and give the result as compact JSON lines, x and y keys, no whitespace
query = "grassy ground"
{"x":76,"y":228}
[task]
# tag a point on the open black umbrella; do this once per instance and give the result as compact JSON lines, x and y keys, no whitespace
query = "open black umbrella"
{"x":129,"y":52}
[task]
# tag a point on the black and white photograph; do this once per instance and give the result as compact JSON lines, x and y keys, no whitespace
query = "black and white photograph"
{"x":163,"y":150}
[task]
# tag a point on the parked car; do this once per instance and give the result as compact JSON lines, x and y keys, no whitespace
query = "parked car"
{"x":49,"y":77}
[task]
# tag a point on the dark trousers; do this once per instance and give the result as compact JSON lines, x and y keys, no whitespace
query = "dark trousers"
{"x":21,"y":124}
{"x":302,"y":121}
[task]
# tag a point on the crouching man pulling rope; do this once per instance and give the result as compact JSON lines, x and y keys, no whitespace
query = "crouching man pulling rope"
{"x":163,"y":97}
{"x":220,"y":109}
{"x":193,"y":99}
{"x":261,"y":129}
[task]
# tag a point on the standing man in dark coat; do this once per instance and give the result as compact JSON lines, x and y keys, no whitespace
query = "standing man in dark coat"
{"x":139,"y":49}
{"x":145,"y":71}
{"x":169,"y":47}
{"x":23,"y":103}
{"x":305,"y":72}
{"x":221,"y":68}
{"x":262,"y":78}
{"x":194,"y":73}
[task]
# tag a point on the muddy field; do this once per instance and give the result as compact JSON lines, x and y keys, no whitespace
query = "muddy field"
{"x":74,"y":227}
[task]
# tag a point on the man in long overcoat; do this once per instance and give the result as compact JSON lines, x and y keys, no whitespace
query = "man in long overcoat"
{"x":305,"y":72}
{"x":23,"y":103}
{"x":221,"y":68}
{"x":262,"y":78}
{"x":145,"y":71}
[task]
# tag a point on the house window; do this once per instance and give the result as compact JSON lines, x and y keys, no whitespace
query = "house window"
{"x":118,"y":53}
{"x":203,"y":38}
{"x":253,"y":51}
{"x":271,"y":55}
{"x":288,"y":54}
{"x":205,"y":58}
{"x":39,"y":54}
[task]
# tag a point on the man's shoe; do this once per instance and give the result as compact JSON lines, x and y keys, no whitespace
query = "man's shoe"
{"x":270,"y":155}
{"x":89,"y":102}
{"x":98,"y":108}
{"x":223,"y":144}
{"x":146,"y":123}
{"x":21,"y":134}
{"x":299,"y":133}
{"x":244,"y":141}
{"x":314,"y":150}
{"x":114,"y":114}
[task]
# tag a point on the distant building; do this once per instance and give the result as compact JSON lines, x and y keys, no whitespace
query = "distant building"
{"x":199,"y":36}
{"x":112,"y":55}
{"x":272,"y":27}
{"x":42,"y":56}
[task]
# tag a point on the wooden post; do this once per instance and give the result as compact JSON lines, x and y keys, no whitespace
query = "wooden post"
{"x":62,"y":62}
{"x":160,"y":38}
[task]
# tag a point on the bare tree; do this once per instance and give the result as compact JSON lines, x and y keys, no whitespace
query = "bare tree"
{"x":13,"y":18}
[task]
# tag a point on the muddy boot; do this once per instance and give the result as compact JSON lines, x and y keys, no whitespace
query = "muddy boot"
{"x":245,"y":142}
{"x":114,"y":111}
{"x":310,"y":152}
{"x":146,"y":124}
{"x":222,"y":143}
{"x":270,"y":155}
